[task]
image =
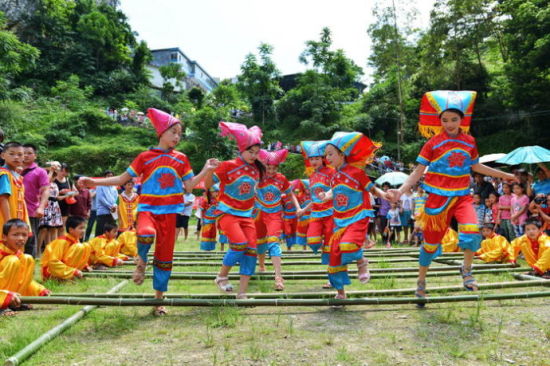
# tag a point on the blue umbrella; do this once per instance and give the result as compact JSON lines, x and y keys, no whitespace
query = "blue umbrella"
{"x":527,"y":155}
{"x":393,"y":178}
{"x":384,"y":158}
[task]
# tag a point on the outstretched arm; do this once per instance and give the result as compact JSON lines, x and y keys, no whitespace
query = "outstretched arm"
{"x":206,"y":174}
{"x":394,"y":194}
{"x":485,"y":170}
{"x":111,"y":181}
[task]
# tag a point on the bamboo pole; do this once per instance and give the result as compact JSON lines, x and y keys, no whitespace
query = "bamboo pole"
{"x":285,"y":262}
{"x":526,"y":277}
{"x":315,"y":294}
{"x":313,"y":256}
{"x":281,"y":302}
{"x":291,"y":252}
{"x":31,"y":348}
{"x":266,"y":276}
{"x":372,"y":270}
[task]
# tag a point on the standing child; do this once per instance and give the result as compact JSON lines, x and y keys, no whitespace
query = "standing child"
{"x":450,"y":156}
{"x":394,"y":223}
{"x":419,"y":203}
{"x":238,"y":179}
{"x":407,"y":207}
{"x":165,"y":175}
{"x":320,"y":224}
{"x":269,"y":223}
{"x":519,"y":203}
{"x":350,"y":191}
{"x":505,"y":212}
{"x":12,"y":190}
{"x":66,"y":257}
{"x":127,"y":207}
{"x":480,"y":208}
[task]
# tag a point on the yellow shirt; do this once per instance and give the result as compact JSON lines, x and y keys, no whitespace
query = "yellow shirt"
{"x":127,"y":211}
{"x":536,"y":253}
{"x":450,"y":241}
{"x":16,"y":200}
{"x":17,"y":273}
{"x":64,"y":256}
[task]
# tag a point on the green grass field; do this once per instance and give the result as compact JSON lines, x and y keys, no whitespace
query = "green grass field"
{"x":476,"y":333}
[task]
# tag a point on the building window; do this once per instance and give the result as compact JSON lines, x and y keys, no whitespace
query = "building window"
{"x":174,"y":57}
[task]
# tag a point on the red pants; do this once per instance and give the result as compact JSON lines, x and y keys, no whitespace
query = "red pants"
{"x":436,"y":218}
{"x":241,"y":234}
{"x":163,"y":229}
{"x":319,"y":231}
{"x":269,"y":227}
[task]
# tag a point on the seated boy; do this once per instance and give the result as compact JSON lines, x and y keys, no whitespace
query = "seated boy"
{"x":128,"y":241}
{"x":17,"y":268}
{"x":535,"y":246}
{"x":66,"y":257}
{"x":449,"y":243}
{"x":106,"y":248}
{"x":494,"y":247}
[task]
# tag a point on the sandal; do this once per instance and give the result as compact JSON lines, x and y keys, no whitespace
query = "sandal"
{"x":241,"y":296}
{"x":365,"y":276}
{"x":327,"y":286}
{"x":159,"y":311}
{"x":420,"y":293}
{"x":471,"y":283}
{"x":139,"y":274}
{"x":339,"y":297}
{"x":279,"y":283}
{"x":227,"y":287}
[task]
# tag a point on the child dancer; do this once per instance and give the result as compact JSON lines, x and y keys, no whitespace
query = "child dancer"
{"x":450,"y":155}
{"x":350,"y":191}
{"x":290,"y":221}
{"x":320,"y":224}
{"x":238,"y":179}
{"x":208,"y":226}
{"x":269,"y":223}
{"x":301,"y":198}
{"x":12,"y":190}
{"x":165,"y":173}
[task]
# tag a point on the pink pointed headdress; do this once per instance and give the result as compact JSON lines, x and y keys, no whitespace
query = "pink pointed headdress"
{"x":273,"y":157}
{"x":244,"y":136}
{"x":161,"y":120}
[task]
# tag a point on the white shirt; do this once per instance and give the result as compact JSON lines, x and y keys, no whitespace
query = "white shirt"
{"x":188,"y":198}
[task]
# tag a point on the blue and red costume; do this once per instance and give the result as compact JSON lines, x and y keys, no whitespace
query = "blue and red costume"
{"x":290,"y":220}
{"x":238,"y":181}
{"x":448,"y":185}
{"x":352,"y":210}
{"x":321,"y":223}
{"x":162,"y":175}
{"x":269,"y":222}
{"x":300,"y":188}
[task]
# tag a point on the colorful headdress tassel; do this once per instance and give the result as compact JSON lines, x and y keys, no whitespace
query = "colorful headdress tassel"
{"x":273,"y":157}
{"x":244,"y":136}
{"x":435,"y":102}
{"x":358,"y":148}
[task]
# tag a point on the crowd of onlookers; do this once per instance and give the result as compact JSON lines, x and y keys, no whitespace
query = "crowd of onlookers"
{"x":506,"y":206}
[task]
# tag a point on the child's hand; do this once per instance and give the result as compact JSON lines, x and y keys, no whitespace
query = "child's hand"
{"x":392,"y":195}
{"x":211,"y":164}
{"x":15,"y":301}
{"x":300,"y":212}
{"x":78,"y":273}
{"x":88,"y":182}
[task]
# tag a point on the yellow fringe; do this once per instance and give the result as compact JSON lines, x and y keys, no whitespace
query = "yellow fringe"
{"x":430,"y":131}
{"x":309,"y":171}
{"x":336,"y":236}
{"x":435,"y":222}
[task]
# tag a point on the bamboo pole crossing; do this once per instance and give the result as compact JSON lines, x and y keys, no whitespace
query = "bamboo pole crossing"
{"x":34,"y":346}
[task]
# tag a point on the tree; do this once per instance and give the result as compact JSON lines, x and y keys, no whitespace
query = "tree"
{"x":259,"y":84}
{"x":173,"y":75}
{"x":15,"y":57}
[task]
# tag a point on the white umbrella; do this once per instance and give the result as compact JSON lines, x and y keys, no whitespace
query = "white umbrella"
{"x":491,"y":157}
{"x":393,"y":178}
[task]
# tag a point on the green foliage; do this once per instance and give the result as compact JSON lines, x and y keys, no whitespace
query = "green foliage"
{"x":15,"y":56}
{"x":293,"y":167}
